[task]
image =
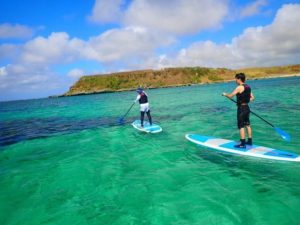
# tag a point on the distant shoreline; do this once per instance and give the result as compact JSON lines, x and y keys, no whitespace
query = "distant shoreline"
{"x":277,"y":76}
{"x":171,"y":77}
{"x":176,"y":85}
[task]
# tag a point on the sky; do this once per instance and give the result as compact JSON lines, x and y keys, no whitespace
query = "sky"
{"x":46,"y":46}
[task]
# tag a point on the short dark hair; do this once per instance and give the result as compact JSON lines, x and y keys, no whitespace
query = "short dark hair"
{"x":241,"y":76}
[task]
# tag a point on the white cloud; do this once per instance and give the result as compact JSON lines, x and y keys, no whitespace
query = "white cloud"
{"x":274,"y":43}
{"x":57,"y":48}
{"x":8,"y":51}
{"x":176,"y":17}
{"x":23,"y":81}
{"x":75,"y":73}
{"x":106,"y":11}
{"x":256,"y":46}
{"x":125,"y":43}
{"x":206,"y":54}
{"x":15,"y":31}
{"x":112,"y":45}
{"x":3,"y":71}
{"x":33,"y":61}
{"x":30,"y":70}
{"x":253,"y":8}
{"x":27,"y":77}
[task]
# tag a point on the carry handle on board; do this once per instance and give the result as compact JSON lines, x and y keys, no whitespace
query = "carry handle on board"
{"x":282,"y":133}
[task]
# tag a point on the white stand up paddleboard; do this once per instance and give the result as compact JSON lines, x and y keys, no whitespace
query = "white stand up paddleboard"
{"x":147,"y":128}
{"x":250,"y":150}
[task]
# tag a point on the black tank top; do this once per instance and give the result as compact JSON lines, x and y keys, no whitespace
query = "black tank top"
{"x":244,"y":97}
{"x":143,"y":99}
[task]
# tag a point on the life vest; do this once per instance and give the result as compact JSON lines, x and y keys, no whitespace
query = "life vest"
{"x":245,"y":96}
{"x":143,"y":99}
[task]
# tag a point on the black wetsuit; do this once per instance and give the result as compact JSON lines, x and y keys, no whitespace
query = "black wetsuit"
{"x":243,"y":110}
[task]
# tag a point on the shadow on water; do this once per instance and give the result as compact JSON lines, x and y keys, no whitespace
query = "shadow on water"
{"x":15,"y":131}
{"x":295,"y":106}
{"x":215,"y":109}
{"x":266,"y":106}
{"x":26,"y":129}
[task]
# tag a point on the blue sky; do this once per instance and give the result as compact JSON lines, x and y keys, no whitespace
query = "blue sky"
{"x":45,"y":46}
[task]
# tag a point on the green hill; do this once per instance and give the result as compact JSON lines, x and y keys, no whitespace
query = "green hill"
{"x":169,"y":77}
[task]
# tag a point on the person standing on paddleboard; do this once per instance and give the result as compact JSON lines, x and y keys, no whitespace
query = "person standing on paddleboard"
{"x":144,"y":105}
{"x":243,"y":95}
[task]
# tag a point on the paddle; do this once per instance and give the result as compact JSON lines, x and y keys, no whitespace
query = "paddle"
{"x":121,"y":120}
{"x":282,"y":133}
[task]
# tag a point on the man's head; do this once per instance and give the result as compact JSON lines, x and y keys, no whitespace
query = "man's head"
{"x":240,"y":78}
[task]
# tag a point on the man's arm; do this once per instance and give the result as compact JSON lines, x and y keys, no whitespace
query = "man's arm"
{"x":137,"y":98}
{"x":235,"y":92}
{"x":251,"y":97}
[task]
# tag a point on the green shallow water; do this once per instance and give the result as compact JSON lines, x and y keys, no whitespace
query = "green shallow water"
{"x":66,"y":161}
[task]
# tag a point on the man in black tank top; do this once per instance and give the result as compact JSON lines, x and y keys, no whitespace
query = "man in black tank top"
{"x":243,"y":97}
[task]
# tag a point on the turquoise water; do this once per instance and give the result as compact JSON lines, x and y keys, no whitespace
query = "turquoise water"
{"x":68,"y":161}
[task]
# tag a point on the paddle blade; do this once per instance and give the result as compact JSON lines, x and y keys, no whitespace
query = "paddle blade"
{"x":283,"y":134}
{"x":121,"y":121}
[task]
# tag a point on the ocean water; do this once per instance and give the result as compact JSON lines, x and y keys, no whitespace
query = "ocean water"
{"x":68,"y":161}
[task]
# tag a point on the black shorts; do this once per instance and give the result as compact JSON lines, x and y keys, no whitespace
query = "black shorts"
{"x":243,"y":113}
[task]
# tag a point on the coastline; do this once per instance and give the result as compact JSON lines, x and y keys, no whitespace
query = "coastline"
{"x":277,"y":76}
{"x":104,"y":91}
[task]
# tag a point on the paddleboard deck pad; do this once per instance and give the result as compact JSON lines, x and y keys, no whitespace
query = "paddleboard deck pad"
{"x":154,"y":128}
{"x":250,"y":150}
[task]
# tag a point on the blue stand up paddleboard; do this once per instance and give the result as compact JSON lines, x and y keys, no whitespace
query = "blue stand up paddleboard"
{"x":147,"y":128}
{"x":250,"y":150}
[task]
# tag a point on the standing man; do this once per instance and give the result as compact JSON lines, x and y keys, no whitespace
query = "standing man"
{"x":144,"y":105}
{"x":243,"y":97}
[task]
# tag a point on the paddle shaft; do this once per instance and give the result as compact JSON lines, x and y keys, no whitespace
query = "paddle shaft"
{"x":128,"y":110}
{"x":255,"y":114}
